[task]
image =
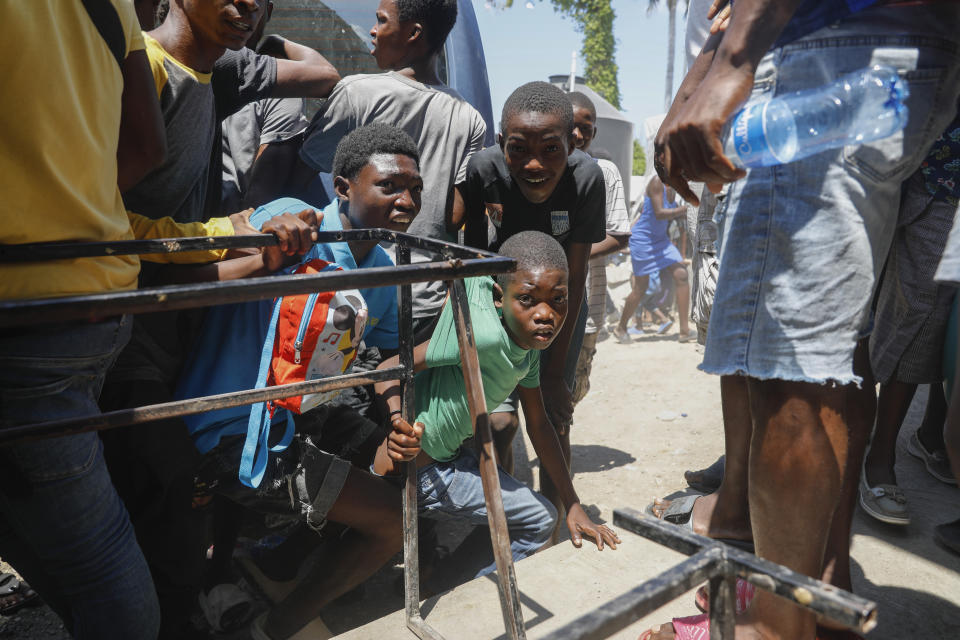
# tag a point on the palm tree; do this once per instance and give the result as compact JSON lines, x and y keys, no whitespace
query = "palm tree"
{"x":671,"y":44}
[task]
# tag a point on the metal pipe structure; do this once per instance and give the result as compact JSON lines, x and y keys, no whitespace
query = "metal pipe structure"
{"x":489,"y":474}
{"x":721,"y":565}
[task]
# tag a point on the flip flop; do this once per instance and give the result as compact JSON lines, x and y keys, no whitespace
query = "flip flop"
{"x":10,"y":585}
{"x":272,"y":590}
{"x":664,"y":327}
{"x":745,"y":594}
{"x":679,"y":513}
{"x":698,"y":628}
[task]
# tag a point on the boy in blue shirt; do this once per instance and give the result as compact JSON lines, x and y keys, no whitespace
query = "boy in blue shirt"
{"x":378,"y":184}
{"x":514,"y":319}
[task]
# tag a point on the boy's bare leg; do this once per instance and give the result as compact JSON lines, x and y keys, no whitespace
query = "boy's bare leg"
{"x":798,"y":457}
{"x":371,"y":508}
{"x":682,"y":281}
{"x":504,"y":425}
{"x":633,"y":300}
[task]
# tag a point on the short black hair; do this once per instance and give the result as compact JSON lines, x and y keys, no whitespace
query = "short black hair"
{"x":436,"y":16}
{"x":357,"y":147}
{"x":538,"y":97}
{"x":582,"y":101}
{"x":532,"y":250}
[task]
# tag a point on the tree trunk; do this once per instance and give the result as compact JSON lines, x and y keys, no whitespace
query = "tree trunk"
{"x":671,"y":53}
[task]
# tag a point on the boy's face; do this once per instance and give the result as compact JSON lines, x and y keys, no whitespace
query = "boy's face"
{"x":535,"y":147}
{"x":391,"y":37}
{"x":584,"y":128}
{"x":384,"y":194}
{"x":535,"y":306}
{"x":224,"y":23}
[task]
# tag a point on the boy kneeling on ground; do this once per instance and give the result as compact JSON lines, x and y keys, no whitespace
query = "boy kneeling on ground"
{"x":514,"y":319}
{"x":378,"y":184}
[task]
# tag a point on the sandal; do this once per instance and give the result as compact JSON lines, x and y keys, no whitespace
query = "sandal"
{"x":622,"y":336}
{"x":680,"y":513}
{"x":745,"y":594}
{"x":15,"y":594}
{"x":226,"y":607}
{"x":698,"y":628}
{"x":706,"y":480}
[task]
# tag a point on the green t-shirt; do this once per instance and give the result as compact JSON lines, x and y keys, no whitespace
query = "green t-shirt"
{"x":440,"y":391}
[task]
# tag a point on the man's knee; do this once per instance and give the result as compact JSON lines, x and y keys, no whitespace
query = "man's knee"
{"x":680,"y":274}
{"x":504,"y":421}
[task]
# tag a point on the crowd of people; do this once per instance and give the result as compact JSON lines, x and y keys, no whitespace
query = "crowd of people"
{"x":811,"y":281}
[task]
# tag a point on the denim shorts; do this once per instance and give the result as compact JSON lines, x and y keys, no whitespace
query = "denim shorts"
{"x":802,"y":244}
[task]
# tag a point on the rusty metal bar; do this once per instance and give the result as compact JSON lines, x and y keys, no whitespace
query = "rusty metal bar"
{"x":104,"y":305}
{"x":411,"y":533}
{"x":44,"y":251}
{"x":629,"y":607}
{"x":179,"y":408}
{"x":843,"y":607}
{"x":499,"y":534}
{"x":723,"y":606}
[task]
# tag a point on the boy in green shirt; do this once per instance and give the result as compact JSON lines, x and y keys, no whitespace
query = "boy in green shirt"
{"x":514,"y":319}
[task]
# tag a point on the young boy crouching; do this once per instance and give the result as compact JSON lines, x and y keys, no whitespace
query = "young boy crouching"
{"x":514,"y":319}
{"x":378,"y":185}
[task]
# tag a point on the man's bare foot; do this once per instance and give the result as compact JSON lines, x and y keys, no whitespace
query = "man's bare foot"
{"x":707,"y":521}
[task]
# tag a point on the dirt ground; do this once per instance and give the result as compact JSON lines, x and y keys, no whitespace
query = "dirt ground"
{"x":649,"y":416}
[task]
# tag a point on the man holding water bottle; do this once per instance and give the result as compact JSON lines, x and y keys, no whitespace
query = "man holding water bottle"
{"x":802,"y":245}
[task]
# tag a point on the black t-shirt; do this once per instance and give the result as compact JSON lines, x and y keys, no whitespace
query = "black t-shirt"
{"x":573,"y":213}
{"x":239,"y":78}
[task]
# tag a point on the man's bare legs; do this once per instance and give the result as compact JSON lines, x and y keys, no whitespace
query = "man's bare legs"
{"x":798,"y":457}
{"x":861,"y":412}
{"x":371,"y":508}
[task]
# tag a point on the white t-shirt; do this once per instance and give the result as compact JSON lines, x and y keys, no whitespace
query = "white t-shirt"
{"x":618,"y":223}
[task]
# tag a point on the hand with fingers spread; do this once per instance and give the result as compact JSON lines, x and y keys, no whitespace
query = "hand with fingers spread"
{"x":580,"y":524}
{"x":403,"y":442}
{"x":296,"y":234}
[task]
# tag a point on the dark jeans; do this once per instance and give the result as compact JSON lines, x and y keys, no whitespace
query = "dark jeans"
{"x":62,"y":524}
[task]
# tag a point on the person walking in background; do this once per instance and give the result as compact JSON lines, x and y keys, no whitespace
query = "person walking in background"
{"x":651,"y":251}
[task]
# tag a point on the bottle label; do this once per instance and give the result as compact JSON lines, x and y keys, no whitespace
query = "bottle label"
{"x":750,"y":139}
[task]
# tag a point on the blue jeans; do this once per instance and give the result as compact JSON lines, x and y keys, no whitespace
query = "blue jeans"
{"x":62,"y":524}
{"x":803,"y":243}
{"x":453,"y":491}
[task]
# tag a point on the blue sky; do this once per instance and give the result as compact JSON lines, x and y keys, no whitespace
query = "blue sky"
{"x":523,"y":44}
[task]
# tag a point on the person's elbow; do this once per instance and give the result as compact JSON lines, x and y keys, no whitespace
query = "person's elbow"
{"x":312,"y":77}
{"x":623,"y":241}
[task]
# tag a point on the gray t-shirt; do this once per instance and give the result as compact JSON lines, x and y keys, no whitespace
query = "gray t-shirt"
{"x":262,"y":122}
{"x":446,"y":128}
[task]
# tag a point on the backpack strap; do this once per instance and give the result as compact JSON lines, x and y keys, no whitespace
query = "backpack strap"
{"x":104,"y":17}
{"x":253,"y":461}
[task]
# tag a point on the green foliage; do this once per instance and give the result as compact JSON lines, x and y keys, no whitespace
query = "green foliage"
{"x":639,"y":159}
{"x":594,"y":19}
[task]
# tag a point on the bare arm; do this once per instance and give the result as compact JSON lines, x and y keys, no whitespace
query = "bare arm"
{"x":271,"y":171}
{"x":301,"y":71}
{"x":545,"y":442}
{"x":403,"y":443}
{"x":688,"y":145}
{"x":143,"y":139}
{"x":610,"y":244}
{"x":655,"y":193}
{"x":475,"y":233}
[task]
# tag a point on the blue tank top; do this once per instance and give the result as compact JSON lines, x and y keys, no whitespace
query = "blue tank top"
{"x":647,"y":225}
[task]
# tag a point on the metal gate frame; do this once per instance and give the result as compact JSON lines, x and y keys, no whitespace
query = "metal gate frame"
{"x":456,"y":263}
{"x":710,"y":560}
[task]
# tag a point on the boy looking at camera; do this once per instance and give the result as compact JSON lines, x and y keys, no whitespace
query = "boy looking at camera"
{"x":514,"y":319}
{"x":537,"y":180}
{"x":378,"y":185}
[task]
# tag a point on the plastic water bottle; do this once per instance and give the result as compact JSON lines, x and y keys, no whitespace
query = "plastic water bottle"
{"x":859,"y":107}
